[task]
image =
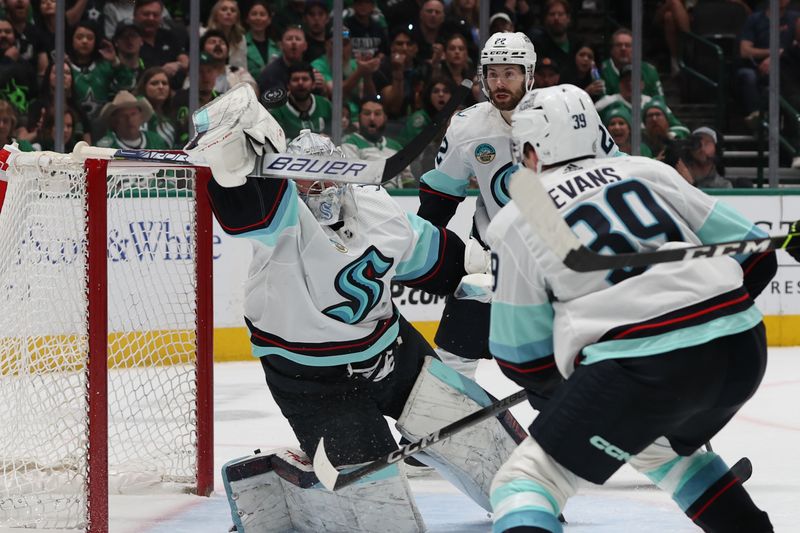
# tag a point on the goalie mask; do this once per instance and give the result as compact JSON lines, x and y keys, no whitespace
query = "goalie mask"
{"x":560,"y":123}
{"x":508,"y":49}
{"x":325,"y":199}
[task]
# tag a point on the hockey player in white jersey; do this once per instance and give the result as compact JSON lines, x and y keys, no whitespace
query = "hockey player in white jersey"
{"x":656,"y":360}
{"x":477,"y":143}
{"x":336,"y":353}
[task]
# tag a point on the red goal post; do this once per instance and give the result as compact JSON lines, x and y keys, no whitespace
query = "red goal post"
{"x":106,"y":329}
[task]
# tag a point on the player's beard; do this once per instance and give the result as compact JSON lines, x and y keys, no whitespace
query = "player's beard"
{"x":509,"y":104}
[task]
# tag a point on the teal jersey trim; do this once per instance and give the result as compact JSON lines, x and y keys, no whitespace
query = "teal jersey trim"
{"x":332,"y":360}
{"x":439,"y":181}
{"x":286,"y":217}
{"x":425,"y":254}
{"x":521,"y":333}
{"x":674,"y":340}
{"x":724,"y":223}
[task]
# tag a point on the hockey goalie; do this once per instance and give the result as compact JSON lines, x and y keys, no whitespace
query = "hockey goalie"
{"x":337,"y":355}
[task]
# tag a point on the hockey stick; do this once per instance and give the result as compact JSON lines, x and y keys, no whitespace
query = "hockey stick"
{"x":357,"y":171}
{"x":332,"y":479}
{"x":307,"y":167}
{"x":539,"y":212}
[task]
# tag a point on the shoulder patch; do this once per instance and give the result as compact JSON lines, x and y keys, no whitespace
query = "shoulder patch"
{"x":485,"y":153}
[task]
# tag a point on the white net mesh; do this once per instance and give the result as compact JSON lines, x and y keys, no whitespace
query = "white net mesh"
{"x":152,"y":438}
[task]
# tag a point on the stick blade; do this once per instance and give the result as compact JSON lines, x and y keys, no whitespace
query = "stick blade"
{"x":743,"y":469}
{"x":323,"y":468}
{"x":536,"y":207}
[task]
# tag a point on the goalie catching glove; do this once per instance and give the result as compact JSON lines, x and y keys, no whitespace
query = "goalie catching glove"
{"x":232,"y":131}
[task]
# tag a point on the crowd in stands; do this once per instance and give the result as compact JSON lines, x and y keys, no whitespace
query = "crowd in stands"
{"x":126,"y":74}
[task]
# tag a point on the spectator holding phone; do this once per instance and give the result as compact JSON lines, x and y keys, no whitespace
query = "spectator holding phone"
{"x":357,"y":67}
{"x":583,"y":72}
{"x":703,"y":160}
{"x":97,"y":72}
{"x":396,"y":76}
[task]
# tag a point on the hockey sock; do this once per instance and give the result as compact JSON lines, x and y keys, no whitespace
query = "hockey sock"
{"x":524,"y":506}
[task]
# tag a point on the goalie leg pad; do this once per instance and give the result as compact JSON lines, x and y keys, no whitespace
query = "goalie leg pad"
{"x":469,"y":459}
{"x":278,"y":491}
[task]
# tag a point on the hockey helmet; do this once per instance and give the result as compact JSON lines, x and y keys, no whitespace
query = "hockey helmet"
{"x":560,"y":123}
{"x":324,"y":198}
{"x":508,"y":49}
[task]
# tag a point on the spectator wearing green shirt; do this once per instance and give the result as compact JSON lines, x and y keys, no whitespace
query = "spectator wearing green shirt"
{"x":617,"y":119}
{"x":621,"y":55}
{"x":261,"y":45}
{"x":97,"y":72}
{"x":676,"y":129}
{"x":125,"y":116}
{"x":153,"y":86}
{"x":303,"y":109}
{"x":369,"y":142}
{"x":357,"y":71}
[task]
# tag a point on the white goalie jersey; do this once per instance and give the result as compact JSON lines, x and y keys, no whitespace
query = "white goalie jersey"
{"x":543,"y":313}
{"x":316,"y":297}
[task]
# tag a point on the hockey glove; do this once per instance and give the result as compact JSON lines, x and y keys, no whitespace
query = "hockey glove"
{"x":231,"y":132}
{"x":794,"y":235}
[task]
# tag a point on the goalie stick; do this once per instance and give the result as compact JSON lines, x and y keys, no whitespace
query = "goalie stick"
{"x":295,"y":166}
{"x":539,"y":212}
{"x":332,"y":479}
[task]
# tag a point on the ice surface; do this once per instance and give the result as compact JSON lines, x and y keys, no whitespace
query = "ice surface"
{"x":767,"y":430}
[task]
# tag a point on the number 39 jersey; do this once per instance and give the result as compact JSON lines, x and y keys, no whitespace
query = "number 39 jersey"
{"x":542,"y":310}
{"x":478,"y":143}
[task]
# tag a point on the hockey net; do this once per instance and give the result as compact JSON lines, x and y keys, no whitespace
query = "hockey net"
{"x":105,"y":331}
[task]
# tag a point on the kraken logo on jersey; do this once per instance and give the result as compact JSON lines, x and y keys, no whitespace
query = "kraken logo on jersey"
{"x":485,"y":153}
{"x":360,"y":283}
{"x":500,"y":183}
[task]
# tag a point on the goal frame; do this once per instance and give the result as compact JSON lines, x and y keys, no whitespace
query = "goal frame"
{"x":97,"y":379}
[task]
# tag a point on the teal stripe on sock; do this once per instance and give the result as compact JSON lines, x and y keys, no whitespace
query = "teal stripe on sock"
{"x":530,"y":517}
{"x":697,"y":481}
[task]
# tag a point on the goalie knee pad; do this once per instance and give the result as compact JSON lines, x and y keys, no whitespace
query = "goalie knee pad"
{"x":470,"y":458}
{"x":278,"y":491}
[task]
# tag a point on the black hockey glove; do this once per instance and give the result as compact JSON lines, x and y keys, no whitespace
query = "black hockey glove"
{"x":794,"y":233}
